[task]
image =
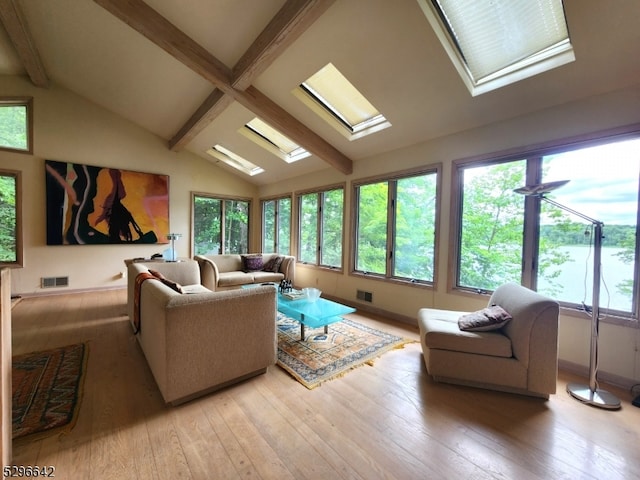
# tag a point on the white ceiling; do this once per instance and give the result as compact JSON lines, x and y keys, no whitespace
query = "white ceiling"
{"x":386,"y":48}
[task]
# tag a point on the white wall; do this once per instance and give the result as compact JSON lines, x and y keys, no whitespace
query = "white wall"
{"x":72,"y":129}
{"x":618,"y":344}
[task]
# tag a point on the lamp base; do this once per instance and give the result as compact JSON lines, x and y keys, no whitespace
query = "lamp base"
{"x":597,"y":398}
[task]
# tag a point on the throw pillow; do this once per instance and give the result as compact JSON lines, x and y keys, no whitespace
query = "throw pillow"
{"x":490,"y":318}
{"x":273,"y":264}
{"x":252,"y":263}
{"x":169,"y":283}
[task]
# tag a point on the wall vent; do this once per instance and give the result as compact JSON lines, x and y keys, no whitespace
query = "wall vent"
{"x":365,"y":296}
{"x":50,"y":282}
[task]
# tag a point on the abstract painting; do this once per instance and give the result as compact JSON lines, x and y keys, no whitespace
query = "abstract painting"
{"x":89,"y":205}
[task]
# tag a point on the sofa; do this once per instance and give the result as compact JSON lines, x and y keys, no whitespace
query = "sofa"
{"x":224,"y":272}
{"x":519,"y":357}
{"x":199,"y":342}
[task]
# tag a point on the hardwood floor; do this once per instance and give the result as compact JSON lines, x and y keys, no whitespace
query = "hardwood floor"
{"x":385,"y":421}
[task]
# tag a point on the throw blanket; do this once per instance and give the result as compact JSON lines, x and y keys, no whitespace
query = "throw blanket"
{"x":136,"y":298}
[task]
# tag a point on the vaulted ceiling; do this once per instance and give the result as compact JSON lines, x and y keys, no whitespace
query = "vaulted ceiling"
{"x":195,"y":71}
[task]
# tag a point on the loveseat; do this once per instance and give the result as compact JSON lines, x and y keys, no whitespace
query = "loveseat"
{"x":200,"y":342}
{"x":224,"y":272}
{"x":519,"y":357}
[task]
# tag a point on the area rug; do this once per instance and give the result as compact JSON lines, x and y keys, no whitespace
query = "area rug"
{"x":321,"y":357}
{"x":47,"y":388}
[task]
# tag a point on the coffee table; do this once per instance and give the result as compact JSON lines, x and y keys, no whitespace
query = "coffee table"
{"x":313,"y":314}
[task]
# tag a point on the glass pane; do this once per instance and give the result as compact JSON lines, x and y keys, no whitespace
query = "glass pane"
{"x":606,"y":191}
{"x":284,"y":226}
{"x":371,"y":255}
{"x":269,"y":226}
{"x":206,"y":226}
{"x":8,"y":245}
{"x":415,"y":227}
{"x":492,"y":226}
{"x":236,"y":226}
{"x":308,"y":228}
{"x":14,"y":127}
{"x":332,"y":228}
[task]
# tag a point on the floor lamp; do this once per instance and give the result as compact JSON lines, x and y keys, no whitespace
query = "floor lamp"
{"x":589,"y":394}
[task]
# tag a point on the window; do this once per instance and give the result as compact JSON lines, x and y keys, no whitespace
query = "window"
{"x":395,"y":227}
{"x":320,"y":227}
{"x":276,"y":226}
{"x":336,"y":100}
{"x":220,"y":225}
{"x":493,"y":44}
{"x":10,"y":218}
{"x":267,"y":137}
{"x":234,"y":160}
{"x":16,"y":124}
{"x":503,"y":236}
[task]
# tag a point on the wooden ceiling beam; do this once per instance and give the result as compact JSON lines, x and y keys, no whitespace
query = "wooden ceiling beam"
{"x":160,"y":31}
{"x":213,"y":106}
{"x":287,"y":25}
{"x":16,"y":26}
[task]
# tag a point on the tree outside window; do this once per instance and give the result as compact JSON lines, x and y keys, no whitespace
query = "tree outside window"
{"x":220,"y":226}
{"x":276,"y":226}
{"x":10,"y":238}
{"x":15,"y":122}
{"x":506,"y":237}
{"x":320,"y":230}
{"x":395,"y":229}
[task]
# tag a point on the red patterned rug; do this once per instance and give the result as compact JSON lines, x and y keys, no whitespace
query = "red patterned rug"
{"x":47,"y":388}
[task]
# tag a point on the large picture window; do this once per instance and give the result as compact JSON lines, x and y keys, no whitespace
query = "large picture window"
{"x":395,"y":227}
{"x":16,"y":124}
{"x":220,"y":225}
{"x":503,"y":236}
{"x":320,"y":227}
{"x":10,"y":218}
{"x":276,"y":226}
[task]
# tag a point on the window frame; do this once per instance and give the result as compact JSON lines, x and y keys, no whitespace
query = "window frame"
{"x":19,"y":245}
{"x":20,"y":102}
{"x":434,"y":169}
{"x":276,"y":232}
{"x":223,"y":199}
{"x":320,"y":192}
{"x":532,"y":208}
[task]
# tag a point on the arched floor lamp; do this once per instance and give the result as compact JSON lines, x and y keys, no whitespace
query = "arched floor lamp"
{"x":589,"y":394}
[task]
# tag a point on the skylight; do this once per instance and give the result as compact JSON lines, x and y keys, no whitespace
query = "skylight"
{"x":235,"y":161}
{"x":341,"y":104}
{"x":267,"y":137}
{"x":495,"y":43}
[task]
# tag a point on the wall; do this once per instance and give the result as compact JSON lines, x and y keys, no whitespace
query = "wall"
{"x":70,"y":128}
{"x":619,"y":345}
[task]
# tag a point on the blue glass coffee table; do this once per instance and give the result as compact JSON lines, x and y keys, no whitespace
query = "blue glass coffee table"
{"x":313,"y":314}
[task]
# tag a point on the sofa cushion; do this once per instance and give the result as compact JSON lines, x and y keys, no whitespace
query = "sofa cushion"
{"x":440,"y":330}
{"x":261,"y":277}
{"x":489,"y":318}
{"x":252,"y":263}
{"x":229,"y":279}
{"x":273,"y":264}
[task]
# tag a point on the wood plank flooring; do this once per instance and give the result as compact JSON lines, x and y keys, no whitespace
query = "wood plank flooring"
{"x":387,"y":421}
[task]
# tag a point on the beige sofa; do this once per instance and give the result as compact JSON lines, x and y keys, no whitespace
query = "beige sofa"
{"x":521,"y":357}
{"x":197,"y":343}
{"x":224,"y":272}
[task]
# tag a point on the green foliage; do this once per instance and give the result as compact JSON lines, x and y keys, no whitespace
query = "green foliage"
{"x":7,"y":218}
{"x":236,"y":218}
{"x":309,"y":228}
{"x":207,"y":215}
{"x":372,"y":228}
{"x":13,"y":126}
{"x":332,"y":228}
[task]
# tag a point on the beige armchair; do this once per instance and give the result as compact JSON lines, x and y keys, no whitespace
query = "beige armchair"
{"x":521,"y":357}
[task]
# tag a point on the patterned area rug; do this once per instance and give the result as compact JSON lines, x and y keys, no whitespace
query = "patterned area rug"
{"x":323,"y":357}
{"x":47,"y":387}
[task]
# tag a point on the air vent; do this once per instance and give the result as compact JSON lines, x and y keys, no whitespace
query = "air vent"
{"x":365,"y":296}
{"x":51,"y":282}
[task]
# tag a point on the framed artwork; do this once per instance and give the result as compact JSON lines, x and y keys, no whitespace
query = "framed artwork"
{"x":89,"y":205}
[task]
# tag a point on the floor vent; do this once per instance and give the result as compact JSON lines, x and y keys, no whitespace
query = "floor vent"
{"x":50,"y":282}
{"x":366,"y":296}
